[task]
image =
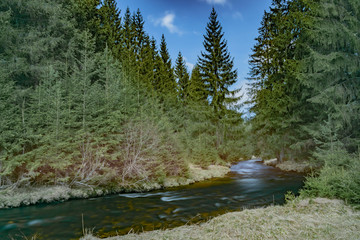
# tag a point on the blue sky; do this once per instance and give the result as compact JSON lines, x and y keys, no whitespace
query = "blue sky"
{"x":183,"y":23}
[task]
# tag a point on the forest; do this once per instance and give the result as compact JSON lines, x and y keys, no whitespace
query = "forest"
{"x":89,"y":99}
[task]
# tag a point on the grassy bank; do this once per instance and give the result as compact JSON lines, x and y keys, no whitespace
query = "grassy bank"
{"x":301,"y":167}
{"x":28,"y":196}
{"x":318,"y":218}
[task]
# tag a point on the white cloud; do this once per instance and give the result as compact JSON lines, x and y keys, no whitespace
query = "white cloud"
{"x":168,"y":22}
{"x":213,"y":2}
{"x":189,"y":65}
{"x":238,"y":15}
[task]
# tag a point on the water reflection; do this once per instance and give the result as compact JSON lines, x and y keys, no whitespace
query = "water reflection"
{"x":249,"y":184}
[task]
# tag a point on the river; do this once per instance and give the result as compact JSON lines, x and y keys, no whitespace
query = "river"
{"x":249,"y":184}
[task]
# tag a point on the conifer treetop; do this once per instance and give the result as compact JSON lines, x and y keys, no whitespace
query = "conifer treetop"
{"x":216,"y":65}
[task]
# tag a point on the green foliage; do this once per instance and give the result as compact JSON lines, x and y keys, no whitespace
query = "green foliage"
{"x":196,"y":88}
{"x":277,"y":97}
{"x":305,"y":90}
{"x":336,"y":181}
{"x":165,"y":83}
{"x":88,"y":100}
{"x":182,"y":78}
{"x":331,"y":70}
{"x":216,"y":67}
{"x":109,"y":33}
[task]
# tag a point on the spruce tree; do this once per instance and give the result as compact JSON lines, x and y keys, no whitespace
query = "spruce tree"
{"x":139,"y":32}
{"x":128,"y":32}
{"x":330,"y":68}
{"x":197,"y":88}
{"x":147,"y":63}
{"x":110,"y":26}
{"x":182,"y":76}
{"x":277,"y":97}
{"x":216,"y":67}
{"x":127,"y":51}
{"x":85,"y":13}
{"x":165,"y":83}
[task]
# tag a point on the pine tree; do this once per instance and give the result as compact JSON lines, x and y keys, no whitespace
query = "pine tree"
{"x":83,"y":77}
{"x":197,"y":89}
{"x":128,"y":32}
{"x":110,"y":26}
{"x":147,"y":63}
{"x":10,"y":122}
{"x":216,"y":67}
{"x":127,"y":51}
{"x":277,"y":95}
{"x":330,"y":68}
{"x":86,"y":14}
{"x":165,"y":83}
{"x":139,"y":33}
{"x":182,"y":76}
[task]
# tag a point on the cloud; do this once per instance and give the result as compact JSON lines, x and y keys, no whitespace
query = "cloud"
{"x":189,"y":65}
{"x":167,"y":21}
{"x":238,"y":15}
{"x":213,"y":2}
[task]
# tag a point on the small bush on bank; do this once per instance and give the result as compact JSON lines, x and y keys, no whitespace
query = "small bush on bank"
{"x":337,"y":179}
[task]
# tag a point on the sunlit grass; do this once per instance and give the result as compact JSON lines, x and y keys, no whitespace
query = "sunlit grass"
{"x":318,"y":218}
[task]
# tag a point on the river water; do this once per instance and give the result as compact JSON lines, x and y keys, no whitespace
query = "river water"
{"x":249,"y":184}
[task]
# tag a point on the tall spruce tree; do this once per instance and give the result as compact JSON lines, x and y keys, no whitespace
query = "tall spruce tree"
{"x":147,"y":63}
{"x":277,"y":97}
{"x":331,"y":69}
{"x":139,"y":32}
{"x":165,"y":83}
{"x":127,"y":50}
{"x":110,"y":26}
{"x":216,"y":67}
{"x":182,"y":76}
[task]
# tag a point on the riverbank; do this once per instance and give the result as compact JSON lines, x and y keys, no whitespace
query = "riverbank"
{"x":33,"y":195}
{"x":290,"y":165}
{"x":318,"y":218}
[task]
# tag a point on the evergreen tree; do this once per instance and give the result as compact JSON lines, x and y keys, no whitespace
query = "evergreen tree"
{"x":330,"y":68}
{"x":128,"y":32}
{"x":147,"y":63}
{"x":216,"y":67}
{"x":83,"y":78}
{"x":10,"y":122}
{"x":139,"y":33}
{"x":182,"y":76}
{"x":110,"y":26}
{"x":278,"y":99}
{"x":197,"y":89}
{"x":127,"y":52}
{"x":165,"y":83}
{"x":86,"y":14}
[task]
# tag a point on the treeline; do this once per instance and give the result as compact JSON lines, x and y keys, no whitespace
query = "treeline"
{"x":305,"y":90}
{"x":88,"y":99}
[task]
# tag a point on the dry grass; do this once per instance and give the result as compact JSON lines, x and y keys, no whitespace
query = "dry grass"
{"x":197,"y":174}
{"x":290,"y":165}
{"x":300,"y":219}
{"x":29,"y":196}
{"x":33,"y":195}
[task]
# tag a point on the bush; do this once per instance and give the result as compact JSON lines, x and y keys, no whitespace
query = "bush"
{"x":334,"y":181}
